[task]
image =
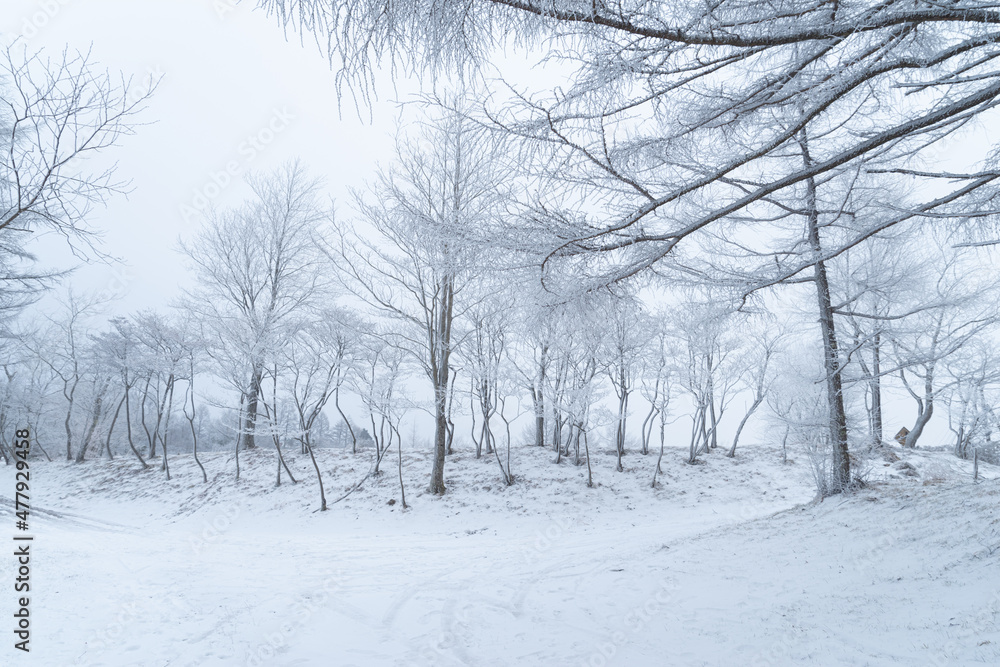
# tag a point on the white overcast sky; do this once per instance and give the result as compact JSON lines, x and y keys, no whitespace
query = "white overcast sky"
{"x":228,"y":73}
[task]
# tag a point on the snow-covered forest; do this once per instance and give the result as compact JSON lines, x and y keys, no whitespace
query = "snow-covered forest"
{"x":657,"y":333}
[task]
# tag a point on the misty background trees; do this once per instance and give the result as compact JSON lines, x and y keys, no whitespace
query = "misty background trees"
{"x":720,"y":218}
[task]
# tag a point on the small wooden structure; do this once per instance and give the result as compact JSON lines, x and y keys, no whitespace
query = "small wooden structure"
{"x":901,"y":436}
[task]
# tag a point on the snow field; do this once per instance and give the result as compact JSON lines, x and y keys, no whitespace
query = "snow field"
{"x":726,"y":563}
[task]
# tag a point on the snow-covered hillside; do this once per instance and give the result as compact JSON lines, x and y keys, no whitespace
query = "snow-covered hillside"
{"x":730,"y":562}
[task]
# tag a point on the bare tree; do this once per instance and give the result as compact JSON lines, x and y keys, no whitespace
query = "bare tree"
{"x":623,"y":343}
{"x":378,"y":386}
{"x":316,"y":372}
{"x":256,"y":267}
{"x":531,"y":356}
{"x":61,"y":348}
{"x":656,"y":385}
{"x":974,"y":373}
{"x":756,"y":378}
{"x":192,"y":347}
{"x":686,"y":122}
{"x":956,"y":309}
{"x":704,"y":332}
{"x":416,"y":266}
{"x":55,"y":114}
{"x":168,"y":360}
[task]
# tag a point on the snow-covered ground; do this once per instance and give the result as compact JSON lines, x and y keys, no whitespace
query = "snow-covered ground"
{"x":727,"y":563}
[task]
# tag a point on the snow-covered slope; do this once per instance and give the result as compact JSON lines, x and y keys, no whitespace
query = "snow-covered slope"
{"x":727,"y":563}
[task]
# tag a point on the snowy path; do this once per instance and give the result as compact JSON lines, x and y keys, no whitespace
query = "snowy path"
{"x":908,"y":578}
{"x":370,"y":598}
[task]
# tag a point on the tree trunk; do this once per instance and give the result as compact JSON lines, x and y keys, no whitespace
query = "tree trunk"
{"x":111,"y":429}
{"x":440,"y":442}
{"x":440,"y":352}
{"x":539,"y":403}
{"x":622,"y":410}
{"x":837,"y":415}
{"x":756,"y":404}
{"x":69,"y":417}
{"x":663,"y":438}
{"x":169,"y":403}
{"x":647,"y":427}
{"x":336,"y":404}
{"x":250,"y":416}
{"x":472,"y":413}
{"x":576,"y":445}
{"x":281,"y":461}
{"x":128,"y":427}
{"x":713,"y":418}
{"x":190,"y":418}
{"x":699,"y":431}
{"x":95,"y":417}
{"x":923,"y":416}
{"x":239,"y":436}
{"x":151,"y":452}
{"x":319,"y":477}
{"x":876,"y":389}
{"x":451,"y":423}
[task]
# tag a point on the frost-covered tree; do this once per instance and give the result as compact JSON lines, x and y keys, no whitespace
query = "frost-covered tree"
{"x":415,"y":268}
{"x":705,"y":336}
{"x":316,"y":357}
{"x":257,"y":266}
{"x":973,"y":389}
{"x":56,"y":113}
{"x":685,"y":123}
{"x":61,"y":346}
{"x":956,"y":307}
{"x":627,"y":331}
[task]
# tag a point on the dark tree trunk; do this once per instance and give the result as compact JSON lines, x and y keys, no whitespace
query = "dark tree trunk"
{"x":539,"y":403}
{"x":876,"y":389}
{"x":250,"y":416}
{"x":69,"y":417}
{"x":440,"y":351}
{"x":837,"y":419}
{"x":190,"y":418}
{"x":111,"y":429}
{"x":151,"y":438}
{"x":95,"y":417}
{"x":128,"y":427}
{"x":319,"y":477}
{"x":168,"y":400}
{"x":924,"y":415}
{"x":451,"y":423}
{"x":743,"y":422}
{"x":336,"y":404}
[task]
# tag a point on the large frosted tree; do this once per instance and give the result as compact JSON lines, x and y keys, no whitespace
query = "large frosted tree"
{"x":257,"y":266}
{"x":683,"y":122}
{"x":414,"y":269}
{"x":56,"y":114}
